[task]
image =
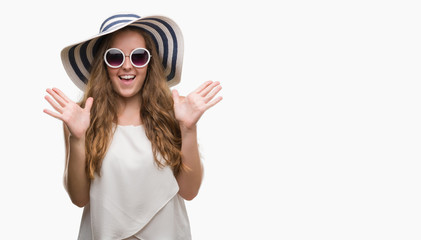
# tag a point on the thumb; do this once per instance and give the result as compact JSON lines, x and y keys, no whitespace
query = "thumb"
{"x":175,"y":96}
{"x":88,"y":104}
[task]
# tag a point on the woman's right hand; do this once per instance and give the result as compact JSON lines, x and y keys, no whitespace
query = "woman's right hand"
{"x":77,"y":119}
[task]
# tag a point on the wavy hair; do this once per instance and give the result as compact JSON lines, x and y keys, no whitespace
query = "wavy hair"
{"x":156,"y":112}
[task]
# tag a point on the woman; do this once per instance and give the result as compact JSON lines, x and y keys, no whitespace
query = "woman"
{"x":131,"y":144}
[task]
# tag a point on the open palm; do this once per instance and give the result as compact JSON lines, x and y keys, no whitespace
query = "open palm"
{"x":189,"y":109}
{"x":77,"y":119}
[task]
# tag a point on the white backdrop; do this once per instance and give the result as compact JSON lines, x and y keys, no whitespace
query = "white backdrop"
{"x":318,"y":135}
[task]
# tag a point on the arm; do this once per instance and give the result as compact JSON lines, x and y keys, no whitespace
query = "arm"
{"x":188,"y":111}
{"x":76,"y":182}
{"x":76,"y":121}
{"x":190,"y":179}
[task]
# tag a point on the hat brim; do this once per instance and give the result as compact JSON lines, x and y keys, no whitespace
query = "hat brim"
{"x":77,"y":58}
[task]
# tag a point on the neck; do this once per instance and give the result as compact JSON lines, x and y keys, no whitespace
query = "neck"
{"x":129,"y":111}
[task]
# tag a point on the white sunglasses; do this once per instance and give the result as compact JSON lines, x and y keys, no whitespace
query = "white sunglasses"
{"x":139,"y":57}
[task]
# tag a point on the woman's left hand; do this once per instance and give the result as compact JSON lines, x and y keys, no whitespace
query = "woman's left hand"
{"x":188,"y":110}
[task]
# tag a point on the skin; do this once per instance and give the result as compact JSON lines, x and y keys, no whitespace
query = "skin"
{"x":188,"y":110}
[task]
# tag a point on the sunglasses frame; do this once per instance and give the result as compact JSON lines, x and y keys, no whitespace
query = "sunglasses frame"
{"x":124,"y":57}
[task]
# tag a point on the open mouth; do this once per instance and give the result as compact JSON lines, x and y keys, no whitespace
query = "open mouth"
{"x":127,"y":78}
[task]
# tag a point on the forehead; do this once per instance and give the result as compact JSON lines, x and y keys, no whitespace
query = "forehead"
{"x":127,"y":39}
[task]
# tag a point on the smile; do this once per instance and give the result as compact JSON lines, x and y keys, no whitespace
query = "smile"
{"x":127,"y":77}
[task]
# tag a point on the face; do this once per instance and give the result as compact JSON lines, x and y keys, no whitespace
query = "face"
{"x":127,"y":80}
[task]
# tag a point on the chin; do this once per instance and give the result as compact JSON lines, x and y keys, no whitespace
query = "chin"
{"x":127,"y":93}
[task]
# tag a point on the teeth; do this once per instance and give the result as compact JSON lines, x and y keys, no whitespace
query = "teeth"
{"x":127,"y":77}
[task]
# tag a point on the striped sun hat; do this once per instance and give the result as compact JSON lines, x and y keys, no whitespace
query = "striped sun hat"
{"x":77,"y":58}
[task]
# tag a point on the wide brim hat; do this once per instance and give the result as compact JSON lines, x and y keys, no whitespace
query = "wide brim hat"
{"x":77,"y":58}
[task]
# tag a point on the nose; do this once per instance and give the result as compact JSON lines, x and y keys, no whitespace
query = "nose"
{"x":127,"y":64}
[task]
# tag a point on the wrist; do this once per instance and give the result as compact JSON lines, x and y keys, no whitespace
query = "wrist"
{"x":186,"y":129}
{"x":76,"y":140}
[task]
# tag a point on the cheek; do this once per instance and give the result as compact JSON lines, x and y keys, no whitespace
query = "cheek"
{"x":142,"y":73}
{"x":112,"y":72}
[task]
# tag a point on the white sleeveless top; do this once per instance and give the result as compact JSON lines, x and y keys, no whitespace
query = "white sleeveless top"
{"x":133,"y":198}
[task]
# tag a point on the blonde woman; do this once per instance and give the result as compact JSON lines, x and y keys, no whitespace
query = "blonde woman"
{"x":131,"y":144}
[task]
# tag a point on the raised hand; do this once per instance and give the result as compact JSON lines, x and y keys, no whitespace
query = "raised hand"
{"x":77,"y":119}
{"x":188,"y":110}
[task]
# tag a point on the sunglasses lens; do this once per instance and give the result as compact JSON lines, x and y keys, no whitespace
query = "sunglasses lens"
{"x":140,"y":57}
{"x":114,"y":58}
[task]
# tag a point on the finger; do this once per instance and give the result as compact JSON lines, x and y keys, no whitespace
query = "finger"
{"x":88,"y":104}
{"x":61,"y":94}
{"x":52,"y":114}
{"x":56,"y":97}
{"x":203,"y":86}
{"x":209,"y":88}
{"x":54,"y":104}
{"x":213,"y":103}
{"x":175,"y":96}
{"x":213,"y":93}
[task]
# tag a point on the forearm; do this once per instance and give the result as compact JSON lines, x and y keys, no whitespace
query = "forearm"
{"x":76,"y":182}
{"x":190,"y":179}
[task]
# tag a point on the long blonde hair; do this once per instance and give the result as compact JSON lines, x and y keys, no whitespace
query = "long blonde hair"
{"x":156,"y":112}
